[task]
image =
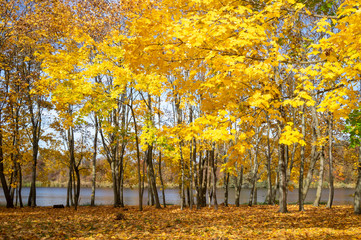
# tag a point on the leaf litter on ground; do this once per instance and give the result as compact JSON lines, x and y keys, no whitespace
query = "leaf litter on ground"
{"x":107,"y":222}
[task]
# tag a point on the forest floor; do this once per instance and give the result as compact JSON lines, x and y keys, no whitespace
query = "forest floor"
{"x":257,"y":222}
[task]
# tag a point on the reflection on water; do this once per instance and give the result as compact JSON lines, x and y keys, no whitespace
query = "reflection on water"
{"x":104,"y":196}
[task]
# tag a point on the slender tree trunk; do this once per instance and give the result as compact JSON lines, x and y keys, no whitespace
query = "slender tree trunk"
{"x":74,"y":167}
{"x":269,"y":161}
{"x":150,"y":189}
{"x":140,"y":189}
{"x":69,"y":195}
{"x":275,"y":193}
{"x":254,"y":180}
{"x":182,"y":176}
{"x":6,"y":189}
{"x":357,"y":198}
{"x":314,"y":157}
{"x":226,"y":184}
{"x":36,"y":130}
{"x":255,"y":169}
{"x":94,"y":160}
{"x":320,"y":180}
{"x":195,"y":171}
{"x":210,"y":175}
{"x":121,"y":178}
{"x":283,"y":180}
{"x":330,"y":162}
{"x":214,"y":177}
{"x":152,"y":176}
{"x":316,"y":133}
{"x":161,"y":177}
{"x":77,"y":187}
{"x":201,"y":196}
{"x":239,"y":183}
{"x":205,"y":179}
{"x":300,"y":180}
{"x":36,"y":122}
{"x":115,"y":183}
{"x":191,"y":198}
{"x":20,"y":186}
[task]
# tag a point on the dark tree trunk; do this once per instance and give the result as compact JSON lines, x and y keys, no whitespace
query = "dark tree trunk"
{"x":239,"y":183}
{"x":214,"y":177}
{"x":20,"y":186}
{"x":36,"y":131}
{"x":69,"y":194}
{"x":182,"y":177}
{"x":226,"y":184}
{"x":77,"y":187}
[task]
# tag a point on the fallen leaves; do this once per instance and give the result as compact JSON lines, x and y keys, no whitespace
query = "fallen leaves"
{"x":257,"y":222}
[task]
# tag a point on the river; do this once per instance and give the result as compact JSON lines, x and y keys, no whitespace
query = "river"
{"x":104,"y":196}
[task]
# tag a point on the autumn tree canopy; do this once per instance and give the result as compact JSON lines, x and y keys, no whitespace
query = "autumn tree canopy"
{"x":204,"y":89}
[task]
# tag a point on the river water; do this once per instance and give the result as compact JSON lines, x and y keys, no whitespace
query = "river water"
{"x":104,"y":196}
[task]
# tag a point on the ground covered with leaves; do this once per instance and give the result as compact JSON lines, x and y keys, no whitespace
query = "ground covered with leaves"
{"x":106,"y":222}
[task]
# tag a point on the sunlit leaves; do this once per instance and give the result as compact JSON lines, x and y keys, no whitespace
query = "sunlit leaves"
{"x":290,"y":135}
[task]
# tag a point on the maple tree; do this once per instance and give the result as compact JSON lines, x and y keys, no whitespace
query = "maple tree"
{"x":254,"y":90}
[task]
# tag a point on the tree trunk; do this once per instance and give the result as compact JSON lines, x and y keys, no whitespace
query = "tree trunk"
{"x":121,"y":178}
{"x":140,"y":189}
{"x":283,"y":180}
{"x":73,"y":167}
{"x":150,"y":189}
{"x":6,"y":189}
{"x":20,"y":186}
{"x":330,"y":162}
{"x":254,"y":180}
{"x":226,"y":184}
{"x":161,"y":177}
{"x":69,"y":195}
{"x":302,"y":164}
{"x":36,"y":130}
{"x":200,"y":192}
{"x":182,"y":176}
{"x":94,"y":160}
{"x":115,"y":183}
{"x":357,"y":198}
{"x":214,"y":177}
{"x":152,"y":176}
{"x":269,"y":161}
{"x":77,"y":187}
{"x":239,"y":183}
{"x":201,"y":201}
{"x":205,"y":179}
{"x":320,"y":180}
{"x":33,"y":103}
{"x":311,"y":169}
